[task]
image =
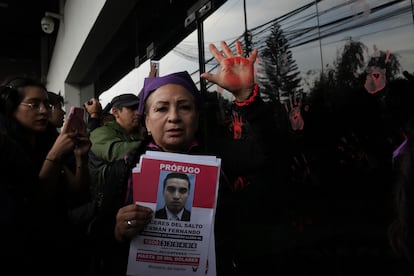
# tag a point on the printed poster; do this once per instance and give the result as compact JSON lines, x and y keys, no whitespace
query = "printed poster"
{"x":175,"y":246}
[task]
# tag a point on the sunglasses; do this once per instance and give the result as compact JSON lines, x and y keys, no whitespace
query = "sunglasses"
{"x":38,"y":106}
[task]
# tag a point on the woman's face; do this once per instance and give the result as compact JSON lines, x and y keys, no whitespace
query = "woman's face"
{"x":34,"y":110}
{"x":172,"y":117}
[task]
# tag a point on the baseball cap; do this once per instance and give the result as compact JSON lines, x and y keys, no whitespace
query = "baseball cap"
{"x":123,"y":100}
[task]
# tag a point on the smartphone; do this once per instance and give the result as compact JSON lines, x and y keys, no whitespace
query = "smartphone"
{"x":155,"y":68}
{"x":76,"y":120}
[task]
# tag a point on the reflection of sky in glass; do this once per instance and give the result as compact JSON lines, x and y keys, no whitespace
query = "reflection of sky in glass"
{"x":227,"y":23}
{"x":373,"y":22}
{"x":382,"y":27}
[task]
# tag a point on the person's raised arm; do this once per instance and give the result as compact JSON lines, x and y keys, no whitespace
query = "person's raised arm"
{"x":236,"y":72}
{"x":93,"y":107}
{"x":53,"y":163}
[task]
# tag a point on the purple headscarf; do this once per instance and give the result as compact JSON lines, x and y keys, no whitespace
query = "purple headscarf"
{"x":181,"y":78}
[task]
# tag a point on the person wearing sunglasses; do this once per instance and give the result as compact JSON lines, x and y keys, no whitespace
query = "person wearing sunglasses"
{"x":176,"y":191}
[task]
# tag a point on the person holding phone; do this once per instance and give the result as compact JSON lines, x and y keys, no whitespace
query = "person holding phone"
{"x":38,"y":187}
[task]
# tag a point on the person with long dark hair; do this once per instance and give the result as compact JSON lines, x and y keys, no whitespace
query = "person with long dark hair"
{"x":37,"y":183}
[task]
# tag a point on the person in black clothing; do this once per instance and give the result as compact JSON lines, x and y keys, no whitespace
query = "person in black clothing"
{"x":38,"y":185}
{"x":251,"y":200}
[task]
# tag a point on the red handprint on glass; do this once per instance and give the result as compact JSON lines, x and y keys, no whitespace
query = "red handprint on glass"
{"x":375,"y":80}
{"x":295,"y":116}
{"x":237,"y":123}
{"x":376,"y":73}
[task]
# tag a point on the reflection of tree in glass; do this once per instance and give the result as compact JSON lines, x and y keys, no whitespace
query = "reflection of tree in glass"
{"x":350,"y":64}
{"x":374,"y":118}
{"x":351,"y":152}
{"x":280,"y":77}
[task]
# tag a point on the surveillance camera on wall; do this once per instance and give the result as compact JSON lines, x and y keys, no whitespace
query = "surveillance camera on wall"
{"x":48,"y":25}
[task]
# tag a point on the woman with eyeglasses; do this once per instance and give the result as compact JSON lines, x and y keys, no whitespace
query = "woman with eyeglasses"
{"x":37,"y":184}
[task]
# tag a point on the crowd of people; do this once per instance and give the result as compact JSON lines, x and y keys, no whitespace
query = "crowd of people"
{"x":66,"y":196}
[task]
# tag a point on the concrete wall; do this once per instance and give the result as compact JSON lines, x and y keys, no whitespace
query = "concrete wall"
{"x":79,"y":18}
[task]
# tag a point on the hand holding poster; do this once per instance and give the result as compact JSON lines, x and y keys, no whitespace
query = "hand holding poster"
{"x":182,"y":191}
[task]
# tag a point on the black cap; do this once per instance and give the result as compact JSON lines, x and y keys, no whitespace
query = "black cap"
{"x":124,"y":100}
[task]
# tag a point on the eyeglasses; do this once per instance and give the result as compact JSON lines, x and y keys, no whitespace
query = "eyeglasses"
{"x":38,"y":106}
{"x":172,"y":190}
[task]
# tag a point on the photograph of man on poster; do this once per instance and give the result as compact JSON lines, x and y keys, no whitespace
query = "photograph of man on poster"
{"x":176,"y":192}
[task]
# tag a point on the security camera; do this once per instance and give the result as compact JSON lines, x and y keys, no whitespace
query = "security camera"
{"x":48,"y":25}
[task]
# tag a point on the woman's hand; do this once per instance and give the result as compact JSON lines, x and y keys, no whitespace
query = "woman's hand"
{"x":64,"y":144}
{"x":236,"y":72}
{"x":83,"y":145}
{"x":131,"y":220}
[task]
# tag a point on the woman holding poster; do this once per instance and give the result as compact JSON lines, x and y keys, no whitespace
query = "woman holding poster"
{"x":250,"y":200}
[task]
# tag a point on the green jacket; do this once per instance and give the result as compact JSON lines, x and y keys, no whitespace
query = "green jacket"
{"x":111,"y":143}
{"x":109,"y":171}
